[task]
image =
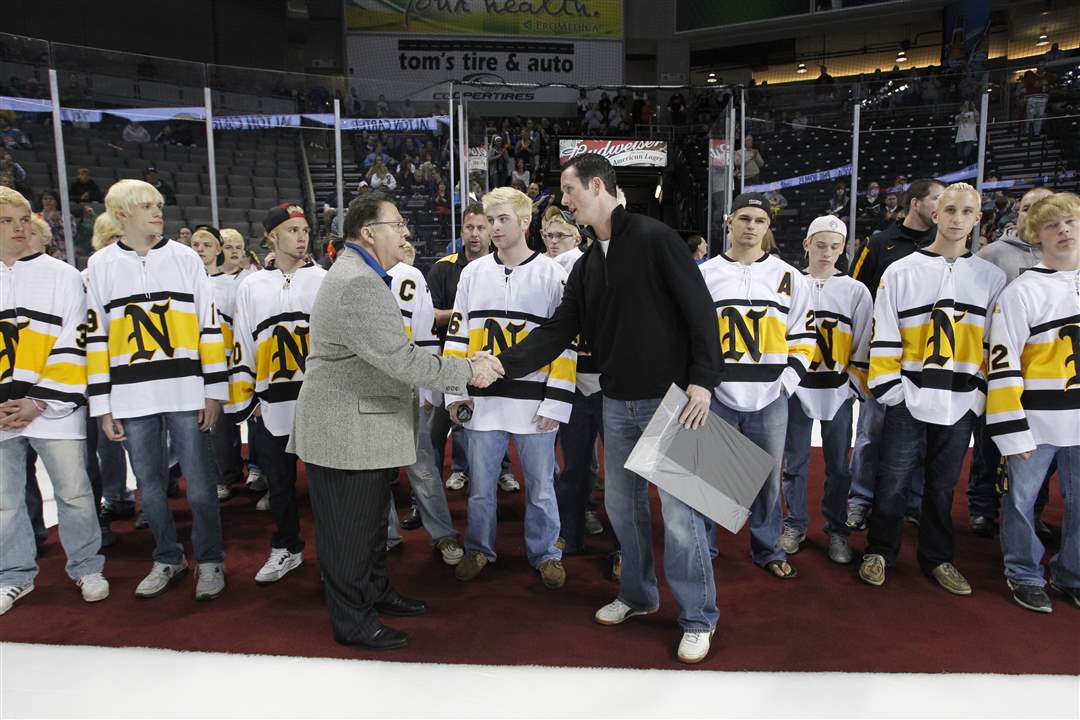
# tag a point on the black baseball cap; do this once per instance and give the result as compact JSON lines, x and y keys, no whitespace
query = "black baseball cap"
{"x":751,"y":199}
{"x":282,"y":213}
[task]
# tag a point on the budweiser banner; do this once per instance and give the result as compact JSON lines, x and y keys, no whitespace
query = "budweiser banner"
{"x":620,"y":153}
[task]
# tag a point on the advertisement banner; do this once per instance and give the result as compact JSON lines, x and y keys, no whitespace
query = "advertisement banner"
{"x":620,"y":153}
{"x":478,"y":158}
{"x":255,"y":122}
{"x":594,"y":19}
{"x":398,"y":66}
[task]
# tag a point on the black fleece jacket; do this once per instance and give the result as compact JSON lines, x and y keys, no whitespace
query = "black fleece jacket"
{"x":643,"y":310}
{"x":894,"y":242}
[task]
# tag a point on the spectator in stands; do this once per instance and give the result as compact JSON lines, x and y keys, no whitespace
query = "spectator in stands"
{"x":376,"y":154}
{"x":12,"y":137}
{"x":12,"y":174}
{"x":824,"y":85}
{"x":869,"y":205}
{"x":84,"y":189}
{"x":967,"y":131}
{"x":135,"y":133}
{"x":583,"y":107}
{"x":754,"y":161}
{"x":380,"y":177}
{"x":593,"y":123}
{"x":778,"y":202}
{"x":521,"y":173}
{"x":617,"y":119}
{"x":839,"y":204}
{"x":442,"y":203}
{"x":499,"y":162}
{"x":183,"y":236}
{"x":382,"y":108}
{"x":891,"y":210}
{"x":1036,"y":88}
{"x":151,"y":176}
{"x":677,"y":108}
{"x":49,"y":202}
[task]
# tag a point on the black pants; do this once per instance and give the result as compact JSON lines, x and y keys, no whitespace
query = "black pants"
{"x":226,"y":439}
{"x":574,"y":485}
{"x":350,"y":530}
{"x":946,"y":446}
{"x":280,"y":469}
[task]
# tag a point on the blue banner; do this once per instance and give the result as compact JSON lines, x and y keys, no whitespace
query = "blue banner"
{"x":420,"y":124}
{"x":255,"y":122}
{"x":837,"y":172}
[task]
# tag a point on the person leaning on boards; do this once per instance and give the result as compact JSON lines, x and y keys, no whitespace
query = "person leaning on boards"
{"x":356,"y":419}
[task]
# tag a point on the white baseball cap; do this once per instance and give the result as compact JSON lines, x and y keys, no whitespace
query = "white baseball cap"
{"x":827,"y":223}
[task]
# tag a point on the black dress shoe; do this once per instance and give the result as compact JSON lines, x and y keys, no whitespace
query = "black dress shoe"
{"x":412,"y":520}
{"x":401,"y":606}
{"x":982,"y":526}
{"x":382,"y":638}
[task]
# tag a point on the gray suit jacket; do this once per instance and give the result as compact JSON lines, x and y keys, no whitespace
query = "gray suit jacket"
{"x":357,"y":409}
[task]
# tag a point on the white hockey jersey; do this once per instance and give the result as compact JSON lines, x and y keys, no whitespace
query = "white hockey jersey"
{"x":495,"y":308}
{"x":767,"y":336}
{"x":931,"y":328}
{"x":225,"y":287}
{"x":411,"y":292}
{"x":271,"y":324}
{"x":843,"y":310}
{"x":42,"y":345}
{"x":1034,"y":377}
{"x":154,"y":343}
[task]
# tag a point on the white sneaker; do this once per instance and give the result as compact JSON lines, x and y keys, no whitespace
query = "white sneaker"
{"x":278,"y":565}
{"x":10,"y":593}
{"x":256,"y":480}
{"x":457,"y":480}
{"x":224,"y":492}
{"x":451,"y":551}
{"x":264,"y":503}
{"x":694,"y":646}
{"x":161,"y":577}
{"x":616,"y":612}
{"x":790,"y":540}
{"x":94,"y":587}
{"x":508,"y":483}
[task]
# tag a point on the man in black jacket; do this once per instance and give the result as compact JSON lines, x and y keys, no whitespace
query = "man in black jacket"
{"x":898,"y":240}
{"x":639,"y":302}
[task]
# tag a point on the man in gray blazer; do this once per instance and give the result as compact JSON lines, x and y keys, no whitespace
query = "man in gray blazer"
{"x":356,"y":419}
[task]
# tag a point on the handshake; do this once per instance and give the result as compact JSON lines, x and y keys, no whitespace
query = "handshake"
{"x":486,"y":369}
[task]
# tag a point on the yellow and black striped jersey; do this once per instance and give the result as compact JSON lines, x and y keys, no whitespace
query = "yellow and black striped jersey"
{"x":1034,"y":375}
{"x":225,"y":286}
{"x":931,"y":329}
{"x":269,"y":356}
{"x":767,"y":336}
{"x":411,"y":292}
{"x":843,"y":311}
{"x":42,"y":345}
{"x":497,"y":307}
{"x":154,"y":343}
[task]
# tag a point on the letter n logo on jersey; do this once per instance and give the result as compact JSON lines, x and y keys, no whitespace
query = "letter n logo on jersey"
{"x":1072,"y":334}
{"x":942,"y":334}
{"x":825,"y":345}
{"x":150,"y":331}
{"x":497,"y":340}
{"x":9,"y":343}
{"x":291,"y":353}
{"x":738,"y":329}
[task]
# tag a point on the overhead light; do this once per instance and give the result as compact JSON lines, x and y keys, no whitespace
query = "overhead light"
{"x":712,"y":74}
{"x":901,"y":56}
{"x":1043,"y":40}
{"x":711,"y":80}
{"x":800,"y":68}
{"x":659,"y":192}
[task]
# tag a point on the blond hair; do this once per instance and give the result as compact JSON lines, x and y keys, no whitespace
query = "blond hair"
{"x":554,"y":215}
{"x":42,"y":228}
{"x":105,"y":229}
{"x":13,"y":197}
{"x":1051,"y":207}
{"x":232,"y":234}
{"x":507,"y":195}
{"x":124,"y":195}
{"x":960,"y":188}
{"x":409,"y":253}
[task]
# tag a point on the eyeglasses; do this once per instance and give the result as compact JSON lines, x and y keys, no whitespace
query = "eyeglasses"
{"x":557,"y":237}
{"x":399,"y":225}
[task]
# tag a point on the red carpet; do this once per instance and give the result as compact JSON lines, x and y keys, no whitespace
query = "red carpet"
{"x":826,"y":620}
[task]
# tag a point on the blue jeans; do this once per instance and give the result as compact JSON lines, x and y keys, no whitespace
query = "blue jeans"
{"x":574,"y":484}
{"x":537,"y":454}
{"x":425,"y":480}
{"x":903,"y":439}
{"x":1019,"y":543}
{"x":767,"y":429}
{"x":686,"y":543}
{"x":835,"y":443}
{"x":864,"y":459}
{"x":80,"y":534}
{"x":111,"y":467}
{"x":195,"y":452}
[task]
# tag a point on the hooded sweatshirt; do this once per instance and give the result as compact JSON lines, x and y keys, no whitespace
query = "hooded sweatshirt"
{"x":1011,"y":254}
